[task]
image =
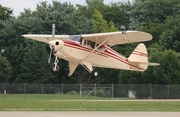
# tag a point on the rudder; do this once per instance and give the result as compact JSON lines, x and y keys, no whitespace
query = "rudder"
{"x":139,"y":57}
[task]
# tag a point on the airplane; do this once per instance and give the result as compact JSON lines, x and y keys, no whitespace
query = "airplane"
{"x":94,"y":50}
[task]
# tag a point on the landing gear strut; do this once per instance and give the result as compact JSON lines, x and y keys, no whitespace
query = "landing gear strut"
{"x":55,"y":67}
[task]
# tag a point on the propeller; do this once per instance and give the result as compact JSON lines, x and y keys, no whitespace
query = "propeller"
{"x":53,"y":35}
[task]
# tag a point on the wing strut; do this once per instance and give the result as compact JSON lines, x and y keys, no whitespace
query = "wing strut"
{"x":98,"y":47}
{"x":87,"y":66}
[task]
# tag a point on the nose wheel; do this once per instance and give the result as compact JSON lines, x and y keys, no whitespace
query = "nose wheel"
{"x":55,"y":67}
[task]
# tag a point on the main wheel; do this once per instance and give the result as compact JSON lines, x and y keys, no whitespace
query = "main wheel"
{"x":94,"y":73}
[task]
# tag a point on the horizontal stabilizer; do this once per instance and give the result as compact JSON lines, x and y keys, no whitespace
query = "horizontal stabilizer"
{"x":144,"y":63}
{"x":153,"y":64}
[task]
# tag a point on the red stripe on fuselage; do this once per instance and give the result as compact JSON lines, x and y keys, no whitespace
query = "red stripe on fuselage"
{"x":115,"y":56}
{"x":77,"y":46}
{"x":107,"y":53}
{"x":140,"y":53}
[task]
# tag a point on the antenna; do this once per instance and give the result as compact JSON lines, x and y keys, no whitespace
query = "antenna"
{"x":123,"y":28}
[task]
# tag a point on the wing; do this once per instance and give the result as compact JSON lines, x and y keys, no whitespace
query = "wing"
{"x":45,"y":38}
{"x":115,"y":38}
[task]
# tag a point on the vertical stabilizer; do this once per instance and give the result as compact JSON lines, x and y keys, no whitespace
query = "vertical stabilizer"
{"x":139,"y":57}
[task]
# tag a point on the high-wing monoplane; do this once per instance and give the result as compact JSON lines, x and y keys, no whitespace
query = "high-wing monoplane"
{"x":94,"y":50}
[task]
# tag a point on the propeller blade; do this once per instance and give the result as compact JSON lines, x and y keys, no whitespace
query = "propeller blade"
{"x":53,"y":31}
{"x":50,"y":56}
{"x":53,"y":35}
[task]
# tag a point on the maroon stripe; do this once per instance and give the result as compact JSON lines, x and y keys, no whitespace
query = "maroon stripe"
{"x":126,"y":61}
{"x":140,"y":53}
{"x":85,"y":49}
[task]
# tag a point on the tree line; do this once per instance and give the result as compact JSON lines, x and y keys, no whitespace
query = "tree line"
{"x":26,"y":61}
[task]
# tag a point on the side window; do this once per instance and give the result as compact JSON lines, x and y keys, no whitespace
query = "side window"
{"x":100,"y":48}
{"x":88,"y":43}
{"x":92,"y":44}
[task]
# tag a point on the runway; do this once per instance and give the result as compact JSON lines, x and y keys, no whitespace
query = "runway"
{"x":86,"y":114}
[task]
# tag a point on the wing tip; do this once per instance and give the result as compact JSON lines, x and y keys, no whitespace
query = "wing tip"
{"x":25,"y":35}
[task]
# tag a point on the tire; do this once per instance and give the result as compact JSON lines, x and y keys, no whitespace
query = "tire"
{"x":94,"y":73}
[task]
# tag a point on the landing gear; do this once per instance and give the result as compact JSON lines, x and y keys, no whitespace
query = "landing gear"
{"x":55,"y":67}
{"x":94,"y":73}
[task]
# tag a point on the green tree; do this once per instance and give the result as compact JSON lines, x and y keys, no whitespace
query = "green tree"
{"x":115,"y":12}
{"x":89,"y":9}
{"x":34,"y":67}
{"x":5,"y":13}
{"x":13,"y":45}
{"x":168,"y":71}
{"x":144,"y":11}
{"x":5,"y":68}
{"x":101,"y":25}
{"x":155,"y":29}
{"x":150,"y":16}
{"x":132,"y":77}
{"x":169,"y":39}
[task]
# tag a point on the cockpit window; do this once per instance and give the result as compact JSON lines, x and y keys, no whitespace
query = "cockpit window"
{"x":77,"y":38}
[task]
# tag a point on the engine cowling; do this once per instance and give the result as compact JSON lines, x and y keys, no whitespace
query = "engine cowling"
{"x":56,"y":45}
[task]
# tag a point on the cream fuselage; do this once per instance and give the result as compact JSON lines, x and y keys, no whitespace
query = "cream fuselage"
{"x":103,"y":57}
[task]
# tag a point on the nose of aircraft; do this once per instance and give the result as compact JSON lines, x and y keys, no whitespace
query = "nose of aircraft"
{"x":51,"y":43}
{"x":56,"y":43}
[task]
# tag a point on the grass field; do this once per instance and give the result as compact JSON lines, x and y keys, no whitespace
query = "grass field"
{"x":60,"y":102}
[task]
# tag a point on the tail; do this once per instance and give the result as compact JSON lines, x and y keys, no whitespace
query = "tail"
{"x":139,"y":58}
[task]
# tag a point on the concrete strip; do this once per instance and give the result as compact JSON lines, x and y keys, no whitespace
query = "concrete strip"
{"x":86,"y":114}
